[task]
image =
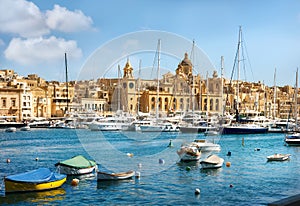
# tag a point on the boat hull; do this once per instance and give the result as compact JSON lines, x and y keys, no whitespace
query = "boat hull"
{"x":243,"y":130}
{"x":115,"y":176}
{"x":76,"y":171}
{"x":14,"y":186}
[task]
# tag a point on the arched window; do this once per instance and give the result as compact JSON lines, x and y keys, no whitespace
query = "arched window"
{"x":211,"y":106}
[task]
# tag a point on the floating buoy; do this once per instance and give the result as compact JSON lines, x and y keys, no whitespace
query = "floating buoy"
{"x":170,"y":143}
{"x":137,"y":174}
{"x":228,"y":153}
{"x":75,"y":182}
{"x":231,"y":185}
{"x":188,"y":168}
{"x":36,"y":159}
{"x":130,"y":154}
{"x":228,"y":164}
{"x":161,"y":161}
{"x":7,"y":160}
{"x":139,"y":165}
{"x":257,"y":149}
{"x":243,"y":141}
{"x":197,"y":191}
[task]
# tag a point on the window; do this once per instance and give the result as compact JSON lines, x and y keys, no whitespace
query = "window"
{"x":13,"y":102}
{"x":3,"y":102}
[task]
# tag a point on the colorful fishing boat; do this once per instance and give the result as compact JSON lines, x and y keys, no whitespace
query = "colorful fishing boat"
{"x":35,"y":180}
{"x":115,"y":176}
{"x":77,"y":165}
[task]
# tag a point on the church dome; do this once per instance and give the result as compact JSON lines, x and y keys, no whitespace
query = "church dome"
{"x":186,"y":61}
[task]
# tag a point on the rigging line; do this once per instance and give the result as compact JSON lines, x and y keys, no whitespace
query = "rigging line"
{"x":247,"y":57}
{"x":154,"y":62}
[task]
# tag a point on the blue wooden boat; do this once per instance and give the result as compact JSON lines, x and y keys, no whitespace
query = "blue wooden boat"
{"x":35,"y":180}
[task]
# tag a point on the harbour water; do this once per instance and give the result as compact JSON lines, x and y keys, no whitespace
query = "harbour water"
{"x":253,"y":180}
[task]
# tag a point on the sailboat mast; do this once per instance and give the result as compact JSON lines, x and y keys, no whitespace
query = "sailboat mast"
{"x":158,"y":71}
{"x":222,"y":84}
{"x":119,"y":88}
{"x":296,"y":94}
{"x":274,"y":96}
{"x":238,"y":69}
{"x":138,"y":87}
{"x":67,"y":86}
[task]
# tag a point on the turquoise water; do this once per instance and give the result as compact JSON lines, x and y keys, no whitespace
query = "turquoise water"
{"x":255,"y":181}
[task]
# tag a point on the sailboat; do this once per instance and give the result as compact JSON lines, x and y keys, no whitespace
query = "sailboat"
{"x":237,"y":127}
{"x":294,"y":138}
{"x":157,"y":126}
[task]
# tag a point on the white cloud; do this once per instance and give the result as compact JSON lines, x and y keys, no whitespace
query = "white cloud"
{"x":34,"y":51}
{"x":22,"y":17}
{"x":64,"y":20}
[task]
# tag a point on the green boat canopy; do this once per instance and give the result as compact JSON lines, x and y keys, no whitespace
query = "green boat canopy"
{"x":77,"y":162}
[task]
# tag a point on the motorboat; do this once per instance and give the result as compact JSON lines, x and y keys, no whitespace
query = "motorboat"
{"x":25,"y":128}
{"x":115,"y":176}
{"x":293,"y":139}
{"x":189,"y":152}
{"x":278,"y":157}
{"x":212,"y":162}
{"x":34,"y":180}
{"x":77,"y":165}
{"x":204,"y":145}
{"x":10,"y":129}
{"x":248,"y":128}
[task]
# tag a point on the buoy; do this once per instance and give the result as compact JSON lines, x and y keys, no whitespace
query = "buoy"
{"x":228,"y":164}
{"x":36,"y":159}
{"x":228,"y":153}
{"x":257,"y":149}
{"x":170,"y":143}
{"x":188,"y":168}
{"x":75,"y":182}
{"x":243,"y":142}
{"x":7,"y":160}
{"x":130,"y":154}
{"x":197,"y":191}
{"x":231,"y":185}
{"x":137,"y":174}
{"x":161,"y":161}
{"x":139,"y":165}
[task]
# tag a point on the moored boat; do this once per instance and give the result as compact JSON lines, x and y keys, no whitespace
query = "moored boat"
{"x":293,"y":139}
{"x":115,"y":176}
{"x":189,"y":153}
{"x":206,"y":146}
{"x":77,"y":165}
{"x":243,"y":129}
{"x":212,"y":162}
{"x":10,"y":129}
{"x":278,"y":157}
{"x":35,"y":180}
{"x":26,"y":128}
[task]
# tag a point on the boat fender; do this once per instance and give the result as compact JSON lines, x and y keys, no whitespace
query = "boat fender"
{"x":161,"y":161}
{"x":75,"y":182}
{"x":228,"y":164}
{"x":197,"y":191}
{"x":137,"y":175}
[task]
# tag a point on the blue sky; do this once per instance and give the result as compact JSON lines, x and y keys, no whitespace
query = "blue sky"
{"x":35,"y":34}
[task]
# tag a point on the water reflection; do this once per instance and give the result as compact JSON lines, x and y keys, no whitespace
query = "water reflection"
{"x":43,"y":197}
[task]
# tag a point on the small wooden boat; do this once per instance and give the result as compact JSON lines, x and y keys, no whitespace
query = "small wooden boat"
{"x":35,"y":180}
{"x":278,"y":157}
{"x":115,"y":176}
{"x":189,"y":153}
{"x":77,"y":165}
{"x":212,"y":162}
